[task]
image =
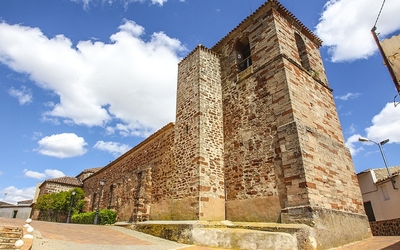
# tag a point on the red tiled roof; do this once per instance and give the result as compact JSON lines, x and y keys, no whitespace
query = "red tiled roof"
{"x":91,"y":170}
{"x":66,"y":180}
{"x":2,"y":203}
{"x":382,"y":173}
{"x":25,"y":202}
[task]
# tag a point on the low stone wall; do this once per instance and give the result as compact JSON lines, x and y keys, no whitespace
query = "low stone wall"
{"x":231,"y":235}
{"x":385,"y":227}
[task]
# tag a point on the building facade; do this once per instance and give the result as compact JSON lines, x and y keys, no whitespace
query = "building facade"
{"x":381,"y":199}
{"x":56,"y":185}
{"x":23,"y":209}
{"x":256,"y":138}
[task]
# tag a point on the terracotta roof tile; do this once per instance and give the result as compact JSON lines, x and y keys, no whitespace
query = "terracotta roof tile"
{"x":382,"y":174}
{"x":25,"y":202}
{"x":66,"y":180}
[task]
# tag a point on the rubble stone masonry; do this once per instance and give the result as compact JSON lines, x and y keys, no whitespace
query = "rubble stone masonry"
{"x":257,"y":138}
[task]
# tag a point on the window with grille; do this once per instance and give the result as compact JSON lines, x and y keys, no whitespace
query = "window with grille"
{"x":243,"y":54}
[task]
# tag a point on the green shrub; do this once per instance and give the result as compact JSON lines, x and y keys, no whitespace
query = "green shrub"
{"x":55,"y":206}
{"x":105,"y":217}
{"x":83,"y":218}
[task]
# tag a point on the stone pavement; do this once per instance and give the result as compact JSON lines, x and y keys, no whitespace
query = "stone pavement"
{"x":374,"y":243}
{"x":61,"y":236}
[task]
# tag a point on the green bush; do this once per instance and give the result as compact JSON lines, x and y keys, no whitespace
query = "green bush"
{"x":83,"y":218}
{"x":55,"y":206}
{"x":105,"y":217}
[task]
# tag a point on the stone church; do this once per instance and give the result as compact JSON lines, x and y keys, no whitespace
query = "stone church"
{"x":256,"y":138}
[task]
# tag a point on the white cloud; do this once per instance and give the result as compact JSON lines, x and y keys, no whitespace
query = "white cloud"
{"x":385,"y":125}
{"x":114,"y":148}
{"x":23,"y":94}
{"x":37,"y":135}
{"x":1,"y":173}
{"x":62,"y":145}
{"x":53,"y":173}
{"x":34,"y":174}
{"x":48,"y":173}
{"x":348,"y":96}
{"x":352,"y":129}
{"x":12,"y":194}
{"x":130,"y":81}
{"x":345,"y":27}
{"x":125,"y":3}
{"x":352,"y":143}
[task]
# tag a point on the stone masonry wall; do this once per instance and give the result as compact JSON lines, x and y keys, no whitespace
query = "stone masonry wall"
{"x":385,"y":227}
{"x":255,"y":103}
{"x":330,"y":180}
{"x":267,"y":138}
{"x":199,"y":136}
{"x":283,"y":141}
{"x":134,"y":178}
{"x":212,"y":191}
{"x":52,"y":187}
{"x":187,"y":136}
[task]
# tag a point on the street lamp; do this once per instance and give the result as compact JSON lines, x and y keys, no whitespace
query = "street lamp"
{"x":70,"y":205}
{"x":102,"y":182}
{"x":363,"y":139}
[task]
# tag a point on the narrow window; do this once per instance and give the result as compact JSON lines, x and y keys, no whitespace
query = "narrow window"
{"x":93,"y":201}
{"x":243,"y":54}
{"x":110,"y":203}
{"x":302,"y":49}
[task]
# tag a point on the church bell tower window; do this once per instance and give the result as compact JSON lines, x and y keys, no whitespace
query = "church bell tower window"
{"x":243,"y":54}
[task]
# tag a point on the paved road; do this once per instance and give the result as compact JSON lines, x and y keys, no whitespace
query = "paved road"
{"x":61,"y":236}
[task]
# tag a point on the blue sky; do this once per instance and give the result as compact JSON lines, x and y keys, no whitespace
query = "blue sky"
{"x":83,"y":81}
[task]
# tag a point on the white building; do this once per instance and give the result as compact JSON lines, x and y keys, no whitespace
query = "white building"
{"x":381,"y":199}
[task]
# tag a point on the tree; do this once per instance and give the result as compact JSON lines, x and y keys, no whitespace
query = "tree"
{"x":55,"y":206}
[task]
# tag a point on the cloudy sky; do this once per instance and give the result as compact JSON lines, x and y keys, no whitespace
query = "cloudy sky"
{"x":83,"y":81}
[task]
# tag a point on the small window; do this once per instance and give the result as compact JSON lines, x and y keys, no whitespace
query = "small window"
{"x":385,"y":193}
{"x":243,"y":54}
{"x":302,"y":50}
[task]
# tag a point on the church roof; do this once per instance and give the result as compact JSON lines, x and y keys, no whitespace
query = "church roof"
{"x":68,"y":180}
{"x":89,"y":171}
{"x":92,"y":170}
